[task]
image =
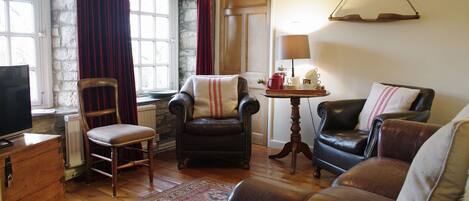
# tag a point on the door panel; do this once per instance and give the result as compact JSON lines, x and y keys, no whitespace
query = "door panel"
{"x":232,"y":51}
{"x":245,"y":3}
{"x":258,"y":57}
{"x":244,"y":50}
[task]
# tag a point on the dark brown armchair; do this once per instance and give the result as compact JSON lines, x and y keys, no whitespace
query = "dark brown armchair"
{"x":208,"y":138}
{"x":339,"y":145}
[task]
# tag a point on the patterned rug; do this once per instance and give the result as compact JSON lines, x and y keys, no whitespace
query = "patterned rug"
{"x":203,"y":189}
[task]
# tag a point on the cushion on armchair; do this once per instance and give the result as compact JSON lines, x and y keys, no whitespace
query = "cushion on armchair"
{"x":217,"y":127}
{"x":439,"y":170}
{"x":215,"y":96}
{"x":353,"y":141}
{"x":385,"y":99}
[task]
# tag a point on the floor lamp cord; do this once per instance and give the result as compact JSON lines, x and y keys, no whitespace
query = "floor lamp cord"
{"x":312,"y":119}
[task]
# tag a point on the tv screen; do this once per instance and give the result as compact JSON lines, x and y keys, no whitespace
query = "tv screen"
{"x":15,"y":103}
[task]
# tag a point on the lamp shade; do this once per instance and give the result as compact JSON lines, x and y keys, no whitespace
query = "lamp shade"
{"x":293,"y":47}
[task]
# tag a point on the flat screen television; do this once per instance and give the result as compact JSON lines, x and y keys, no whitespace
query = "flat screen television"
{"x":15,"y":101}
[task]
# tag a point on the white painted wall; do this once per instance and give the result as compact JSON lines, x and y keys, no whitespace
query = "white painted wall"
{"x":431,"y":52}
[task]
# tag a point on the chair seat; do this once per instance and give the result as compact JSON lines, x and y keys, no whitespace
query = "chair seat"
{"x":120,"y":134}
{"x":214,"y":127}
{"x":353,"y":141}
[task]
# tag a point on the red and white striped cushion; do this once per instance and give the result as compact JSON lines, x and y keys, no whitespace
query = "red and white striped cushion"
{"x":385,"y":99}
{"x":215,"y":96}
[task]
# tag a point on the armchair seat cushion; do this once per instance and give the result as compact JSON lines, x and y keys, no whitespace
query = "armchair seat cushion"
{"x":353,"y":141}
{"x":120,"y":134}
{"x":214,"y":127}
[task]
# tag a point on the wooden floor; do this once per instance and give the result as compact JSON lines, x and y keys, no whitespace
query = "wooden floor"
{"x":133,"y":184}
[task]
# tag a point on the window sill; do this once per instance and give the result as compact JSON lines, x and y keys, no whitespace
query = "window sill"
{"x":54,"y":112}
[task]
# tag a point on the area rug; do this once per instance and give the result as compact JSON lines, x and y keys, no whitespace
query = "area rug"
{"x":203,"y":189}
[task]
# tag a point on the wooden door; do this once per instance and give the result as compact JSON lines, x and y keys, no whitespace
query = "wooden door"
{"x":244,"y":50}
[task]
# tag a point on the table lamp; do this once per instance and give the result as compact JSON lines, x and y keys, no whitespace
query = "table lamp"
{"x":293,"y":47}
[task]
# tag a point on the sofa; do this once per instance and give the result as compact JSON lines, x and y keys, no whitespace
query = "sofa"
{"x":377,"y":179}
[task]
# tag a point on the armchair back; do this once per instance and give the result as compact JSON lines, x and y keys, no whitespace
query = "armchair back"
{"x":423,"y":101}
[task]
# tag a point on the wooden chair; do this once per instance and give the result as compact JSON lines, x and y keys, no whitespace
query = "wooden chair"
{"x":116,"y":136}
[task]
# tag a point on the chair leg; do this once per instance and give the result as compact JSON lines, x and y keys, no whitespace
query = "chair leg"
{"x":150,"y":161}
{"x":88,"y":162}
{"x":317,"y":172}
{"x":114,"y":170}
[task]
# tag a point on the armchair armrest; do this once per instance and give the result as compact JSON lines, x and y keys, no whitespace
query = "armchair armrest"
{"x":417,"y":116}
{"x":401,"y":139}
{"x":340,"y":115}
{"x":259,"y":189}
{"x":182,"y":106}
{"x":248,"y":106}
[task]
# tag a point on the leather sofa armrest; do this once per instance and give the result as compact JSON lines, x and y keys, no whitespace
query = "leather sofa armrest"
{"x":417,"y":116}
{"x":259,"y":189}
{"x":340,"y":115}
{"x":248,"y":106}
{"x":182,"y":106}
{"x":401,"y":139}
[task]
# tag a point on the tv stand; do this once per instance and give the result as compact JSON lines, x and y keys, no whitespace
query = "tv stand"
{"x":32,"y":169}
{"x":5,"y":143}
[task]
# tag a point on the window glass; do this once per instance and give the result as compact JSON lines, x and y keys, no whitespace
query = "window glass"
{"x":4,"y":51}
{"x":23,"y":51}
{"x":21,"y":17}
{"x":162,"y":6}
{"x":152,"y":43}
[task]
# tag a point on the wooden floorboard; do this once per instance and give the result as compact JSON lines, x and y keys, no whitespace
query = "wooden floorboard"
{"x":134,"y":184}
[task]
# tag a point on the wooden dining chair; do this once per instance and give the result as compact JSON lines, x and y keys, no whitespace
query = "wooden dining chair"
{"x":116,"y":136}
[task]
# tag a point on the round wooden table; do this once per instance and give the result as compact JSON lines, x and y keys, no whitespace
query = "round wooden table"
{"x":295,"y":145}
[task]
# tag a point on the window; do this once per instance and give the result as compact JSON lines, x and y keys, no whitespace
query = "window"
{"x":154,"y":48}
{"x":25,"y":39}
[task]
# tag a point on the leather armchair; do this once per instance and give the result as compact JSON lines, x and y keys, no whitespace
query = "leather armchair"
{"x":398,"y":143}
{"x":208,"y":138}
{"x":339,"y":145}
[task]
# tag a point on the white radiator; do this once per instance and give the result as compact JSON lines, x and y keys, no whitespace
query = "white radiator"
{"x":74,"y":140}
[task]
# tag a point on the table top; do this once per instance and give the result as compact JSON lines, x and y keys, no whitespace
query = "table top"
{"x":287,"y":95}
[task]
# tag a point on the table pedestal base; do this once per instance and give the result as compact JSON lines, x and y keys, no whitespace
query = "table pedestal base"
{"x":295,"y":145}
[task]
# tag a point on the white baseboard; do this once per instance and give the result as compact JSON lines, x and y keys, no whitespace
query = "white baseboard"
{"x":279,"y":144}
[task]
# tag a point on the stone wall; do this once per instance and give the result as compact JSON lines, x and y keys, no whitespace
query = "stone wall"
{"x":187,"y":38}
{"x":65,"y":54}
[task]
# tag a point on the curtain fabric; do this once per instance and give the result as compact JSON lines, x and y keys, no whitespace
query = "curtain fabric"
{"x":104,"y":48}
{"x":204,"y":38}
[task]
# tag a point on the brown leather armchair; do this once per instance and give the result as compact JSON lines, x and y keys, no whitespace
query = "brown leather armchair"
{"x":339,"y":145}
{"x":398,"y":142}
{"x":208,"y":138}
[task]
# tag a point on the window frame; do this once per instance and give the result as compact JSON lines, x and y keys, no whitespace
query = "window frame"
{"x":43,"y":48}
{"x":173,"y":45}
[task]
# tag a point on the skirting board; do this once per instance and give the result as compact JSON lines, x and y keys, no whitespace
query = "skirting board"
{"x":258,"y":139}
{"x":279,"y":144}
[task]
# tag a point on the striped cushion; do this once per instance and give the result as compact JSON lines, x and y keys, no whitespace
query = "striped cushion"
{"x":385,"y":99}
{"x":215,"y":96}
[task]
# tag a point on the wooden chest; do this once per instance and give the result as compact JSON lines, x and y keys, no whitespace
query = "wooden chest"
{"x":37,"y":169}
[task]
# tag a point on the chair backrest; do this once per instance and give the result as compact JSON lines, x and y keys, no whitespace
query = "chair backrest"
{"x":88,"y":83}
{"x":423,"y":101}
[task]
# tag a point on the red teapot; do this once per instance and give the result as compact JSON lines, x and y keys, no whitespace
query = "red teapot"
{"x":276,"y":81}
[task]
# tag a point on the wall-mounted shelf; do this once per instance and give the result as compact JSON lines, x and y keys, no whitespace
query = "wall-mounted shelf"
{"x":382,"y":17}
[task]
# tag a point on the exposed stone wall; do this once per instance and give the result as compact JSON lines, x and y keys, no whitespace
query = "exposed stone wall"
{"x":64,"y":51}
{"x":187,"y":38}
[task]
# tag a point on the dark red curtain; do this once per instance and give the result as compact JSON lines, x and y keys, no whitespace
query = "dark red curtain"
{"x":204,"y":38}
{"x":104,"y":49}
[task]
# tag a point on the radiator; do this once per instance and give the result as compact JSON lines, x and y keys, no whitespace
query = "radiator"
{"x":74,"y":153}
